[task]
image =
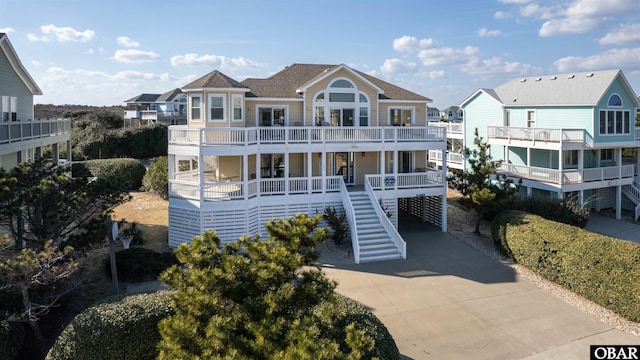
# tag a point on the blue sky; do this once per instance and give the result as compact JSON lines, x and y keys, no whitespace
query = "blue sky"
{"x":104,"y":52}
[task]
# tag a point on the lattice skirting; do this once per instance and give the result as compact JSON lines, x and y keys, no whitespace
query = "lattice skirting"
{"x":231,"y":223}
{"x":428,"y":208}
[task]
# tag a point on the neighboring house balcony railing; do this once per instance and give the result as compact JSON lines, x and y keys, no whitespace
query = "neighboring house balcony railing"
{"x":182,"y":135}
{"x":456,"y":128}
{"x":186,"y":185}
{"x":539,"y":135}
{"x":453,"y":158}
{"x":154,"y":114}
{"x":22,"y":130}
{"x":569,"y":176}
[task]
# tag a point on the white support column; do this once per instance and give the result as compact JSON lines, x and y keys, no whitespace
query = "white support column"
{"x":286,"y":172}
{"x":619,"y":202}
{"x":245,"y":178}
{"x":309,"y":172}
{"x":323,"y":169}
{"x":444,"y":212}
{"x":200,"y":182}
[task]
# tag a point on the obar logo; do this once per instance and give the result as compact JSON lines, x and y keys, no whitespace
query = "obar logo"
{"x":602,"y":352}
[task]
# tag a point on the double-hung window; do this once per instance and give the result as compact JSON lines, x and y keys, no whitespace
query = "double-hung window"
{"x":9,"y":108}
{"x":216,"y":107}
{"x":238,"y":112}
{"x":196,"y":107}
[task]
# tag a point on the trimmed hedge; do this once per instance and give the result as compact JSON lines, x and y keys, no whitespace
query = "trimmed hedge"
{"x":603,"y":269}
{"x":119,"y":328}
{"x":347,"y":311}
{"x":567,"y":211}
{"x":126,"y":172}
{"x":127,"y":328}
{"x":11,"y":338}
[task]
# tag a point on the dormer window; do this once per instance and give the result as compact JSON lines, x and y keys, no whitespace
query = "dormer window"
{"x":614,"y":101}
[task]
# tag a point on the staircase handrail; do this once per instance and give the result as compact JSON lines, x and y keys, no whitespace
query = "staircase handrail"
{"x":351,"y":219}
{"x":633,"y":190}
{"x":384,"y":219}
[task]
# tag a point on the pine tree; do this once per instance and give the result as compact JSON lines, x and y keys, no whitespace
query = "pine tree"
{"x":481,"y":181}
{"x":252,"y":299}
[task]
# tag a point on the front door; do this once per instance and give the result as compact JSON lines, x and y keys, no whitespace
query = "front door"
{"x":343,"y":165}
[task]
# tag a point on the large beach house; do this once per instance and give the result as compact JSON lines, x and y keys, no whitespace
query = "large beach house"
{"x":23,"y":138}
{"x":563,"y":135}
{"x":304,"y":139}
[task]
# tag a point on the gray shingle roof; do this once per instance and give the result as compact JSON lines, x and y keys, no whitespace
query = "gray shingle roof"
{"x":584,"y":88}
{"x":143,"y":98}
{"x":169,"y":95}
{"x":284,"y":84}
{"x":214,"y":79}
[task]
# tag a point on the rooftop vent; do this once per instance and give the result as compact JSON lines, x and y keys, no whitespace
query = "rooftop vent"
{"x":590,"y":75}
{"x":523,"y":79}
{"x":571,"y":76}
{"x":515,"y":99}
{"x":538,"y":79}
{"x":553,"y":77}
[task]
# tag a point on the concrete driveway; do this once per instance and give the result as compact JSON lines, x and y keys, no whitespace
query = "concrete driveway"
{"x":450,"y":301}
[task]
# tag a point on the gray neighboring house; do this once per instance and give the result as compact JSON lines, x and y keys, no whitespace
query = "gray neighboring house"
{"x":22,"y":137}
{"x":169,"y":108}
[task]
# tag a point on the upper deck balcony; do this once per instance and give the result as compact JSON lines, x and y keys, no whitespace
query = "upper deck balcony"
{"x":21,"y":130}
{"x":454,"y":129}
{"x":182,"y":135}
{"x":540,"y":137}
{"x":154,"y":115}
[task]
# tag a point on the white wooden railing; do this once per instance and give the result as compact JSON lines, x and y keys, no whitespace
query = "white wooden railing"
{"x":539,"y":134}
{"x":182,"y":135}
{"x":455,"y":128}
{"x":571,"y":176}
{"x":452,"y":157}
{"x":419,"y":180}
{"x":384,"y":219}
{"x":21,"y":130}
{"x":351,"y":219}
{"x":186,"y":185}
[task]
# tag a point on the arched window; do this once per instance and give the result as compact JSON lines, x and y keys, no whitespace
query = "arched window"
{"x":615,"y":100}
{"x":342,"y":83}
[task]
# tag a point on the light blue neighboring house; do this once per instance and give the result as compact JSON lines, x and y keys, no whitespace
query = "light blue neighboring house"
{"x":563,"y":135}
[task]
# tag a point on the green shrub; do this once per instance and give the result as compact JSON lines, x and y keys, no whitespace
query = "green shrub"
{"x":567,"y":211}
{"x":347,"y":311}
{"x":138,"y":264}
{"x":337,"y":223}
{"x":604,"y":270}
{"x":119,"y":328}
{"x":122,"y":173}
{"x":156,"y":179}
{"x":11,"y":338}
{"x":92,"y":141}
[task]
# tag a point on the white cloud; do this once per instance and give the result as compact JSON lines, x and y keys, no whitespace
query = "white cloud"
{"x":496,"y":66}
{"x":569,"y":26}
{"x":437,"y":74}
{"x":536,"y":11}
{"x":514,"y":1}
{"x":408,"y":44}
{"x":127,"y":42}
{"x":223,"y":62}
{"x":397,"y":66}
{"x":623,"y":34}
{"x":62,"y":34}
{"x":135,"y":56}
{"x":581,"y":16}
{"x":501,"y":15}
{"x":447,"y":56}
{"x":484,"y":32}
{"x":36,"y":63}
{"x":612,"y":59}
{"x":7,"y":30}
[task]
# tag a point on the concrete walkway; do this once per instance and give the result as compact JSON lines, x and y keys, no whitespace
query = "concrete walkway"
{"x":609,"y":226}
{"x":450,"y":301}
